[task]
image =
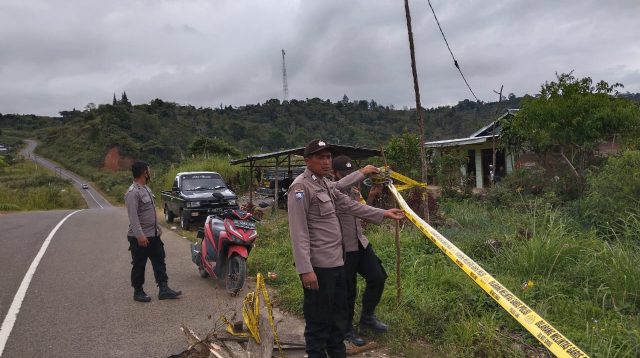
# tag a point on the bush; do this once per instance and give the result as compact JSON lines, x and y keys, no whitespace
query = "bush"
{"x":613,"y":193}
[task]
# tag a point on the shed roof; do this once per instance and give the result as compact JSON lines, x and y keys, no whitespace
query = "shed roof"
{"x":356,"y":153}
{"x":480,"y":136}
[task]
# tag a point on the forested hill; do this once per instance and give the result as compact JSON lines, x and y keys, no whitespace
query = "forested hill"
{"x":164,"y":131}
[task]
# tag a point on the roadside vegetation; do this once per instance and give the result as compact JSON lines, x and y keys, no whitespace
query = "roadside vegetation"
{"x":25,"y":186}
{"x":585,"y":285}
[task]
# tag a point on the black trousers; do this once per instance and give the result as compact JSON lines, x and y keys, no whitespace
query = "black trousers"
{"x":368,"y":265}
{"x":325,"y":314}
{"x":139,"y":255}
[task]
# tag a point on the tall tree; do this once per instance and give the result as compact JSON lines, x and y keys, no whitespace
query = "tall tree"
{"x":571,"y":117}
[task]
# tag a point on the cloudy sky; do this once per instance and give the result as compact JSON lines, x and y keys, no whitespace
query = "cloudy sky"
{"x":59,"y":54}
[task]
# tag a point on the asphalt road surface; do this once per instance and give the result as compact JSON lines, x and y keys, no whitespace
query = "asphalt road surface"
{"x":78,"y":302}
{"x":91,"y":196}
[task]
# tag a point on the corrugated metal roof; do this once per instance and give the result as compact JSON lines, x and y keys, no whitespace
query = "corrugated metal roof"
{"x":457,"y":142}
{"x":356,"y":153}
{"x":480,"y":136}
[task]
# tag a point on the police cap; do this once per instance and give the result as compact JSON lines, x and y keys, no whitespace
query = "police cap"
{"x":315,"y":146}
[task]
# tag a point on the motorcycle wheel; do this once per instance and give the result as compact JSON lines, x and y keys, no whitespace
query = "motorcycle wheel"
{"x":236,"y":273}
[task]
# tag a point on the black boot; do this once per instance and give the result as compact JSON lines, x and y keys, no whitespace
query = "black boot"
{"x":167,"y":293}
{"x":140,"y":296}
{"x":371,"y":322}
{"x":356,"y":340}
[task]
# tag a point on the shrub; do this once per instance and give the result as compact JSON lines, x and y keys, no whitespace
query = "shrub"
{"x":613,"y":193}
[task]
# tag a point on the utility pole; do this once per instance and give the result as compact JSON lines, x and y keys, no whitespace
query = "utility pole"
{"x":285,"y":86}
{"x":423,"y":154}
{"x":493,"y":136}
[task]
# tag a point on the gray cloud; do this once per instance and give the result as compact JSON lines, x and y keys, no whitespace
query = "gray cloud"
{"x":60,"y":54}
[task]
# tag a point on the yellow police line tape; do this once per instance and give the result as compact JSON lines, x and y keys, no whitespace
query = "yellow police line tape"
{"x":529,"y":319}
{"x":251,"y":314}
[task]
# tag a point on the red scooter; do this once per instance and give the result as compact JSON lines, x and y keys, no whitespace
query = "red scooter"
{"x":225,"y":242}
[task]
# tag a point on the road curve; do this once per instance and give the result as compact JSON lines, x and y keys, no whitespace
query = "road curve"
{"x":93,"y":198}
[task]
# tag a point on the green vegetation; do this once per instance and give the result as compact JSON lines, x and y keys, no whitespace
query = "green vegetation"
{"x":236,"y":177}
{"x":586,"y":287}
{"x":25,"y":186}
{"x":571,"y":117}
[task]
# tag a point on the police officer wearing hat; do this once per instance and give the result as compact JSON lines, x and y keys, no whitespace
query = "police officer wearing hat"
{"x":144,"y":236}
{"x":318,"y":250}
{"x":360,"y":257}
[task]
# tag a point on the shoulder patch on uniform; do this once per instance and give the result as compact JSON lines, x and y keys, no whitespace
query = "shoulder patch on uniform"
{"x":299,"y":194}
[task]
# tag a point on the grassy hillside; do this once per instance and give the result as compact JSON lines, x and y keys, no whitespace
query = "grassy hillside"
{"x":162,"y":132}
{"x":26,"y":186}
{"x":586,"y":287}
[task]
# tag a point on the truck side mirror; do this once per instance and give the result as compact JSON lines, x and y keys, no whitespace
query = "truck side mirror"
{"x":175,"y":188}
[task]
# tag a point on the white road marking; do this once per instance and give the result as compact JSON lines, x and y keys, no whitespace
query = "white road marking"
{"x":94,"y":199}
{"x":12,"y":314}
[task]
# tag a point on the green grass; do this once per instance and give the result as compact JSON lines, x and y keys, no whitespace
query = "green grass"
{"x":583,"y":285}
{"x":26,"y":186}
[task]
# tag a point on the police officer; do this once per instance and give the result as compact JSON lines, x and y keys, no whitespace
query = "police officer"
{"x":317,"y":250}
{"x":360,"y":257}
{"x":144,"y":236}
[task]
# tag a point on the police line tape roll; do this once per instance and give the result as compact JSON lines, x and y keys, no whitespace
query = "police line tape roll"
{"x":542,"y":330}
{"x":251,"y":315}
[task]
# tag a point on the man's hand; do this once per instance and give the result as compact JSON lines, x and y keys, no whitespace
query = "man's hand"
{"x":310,"y":281}
{"x":143,"y":241}
{"x":395,"y":214}
{"x":369,"y":169}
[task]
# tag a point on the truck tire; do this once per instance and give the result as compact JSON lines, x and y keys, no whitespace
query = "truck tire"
{"x":168,"y":215}
{"x":185,"y":217}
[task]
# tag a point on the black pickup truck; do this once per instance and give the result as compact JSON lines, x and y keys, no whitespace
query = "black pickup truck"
{"x":194,"y":195}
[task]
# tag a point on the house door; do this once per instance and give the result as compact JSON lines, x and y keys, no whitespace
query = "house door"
{"x":487,"y":160}
{"x":471,"y":168}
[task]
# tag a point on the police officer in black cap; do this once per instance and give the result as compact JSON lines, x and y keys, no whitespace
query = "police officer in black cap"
{"x":144,"y":236}
{"x":360,"y":257}
{"x":317,"y":250}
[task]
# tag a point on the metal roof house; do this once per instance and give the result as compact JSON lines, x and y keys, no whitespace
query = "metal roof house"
{"x":480,"y":147}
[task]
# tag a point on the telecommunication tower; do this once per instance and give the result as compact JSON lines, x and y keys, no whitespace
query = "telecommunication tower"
{"x":285,"y":87}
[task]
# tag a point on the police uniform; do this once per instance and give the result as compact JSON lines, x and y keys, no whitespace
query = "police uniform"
{"x":140,"y":204}
{"x":317,"y":247}
{"x":360,"y":258}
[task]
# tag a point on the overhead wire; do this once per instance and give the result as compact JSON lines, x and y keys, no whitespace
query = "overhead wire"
{"x":455,"y":62}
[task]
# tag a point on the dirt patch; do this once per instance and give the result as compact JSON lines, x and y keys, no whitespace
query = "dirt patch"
{"x":114,"y":162}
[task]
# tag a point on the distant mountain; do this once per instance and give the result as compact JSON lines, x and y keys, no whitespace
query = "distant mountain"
{"x":163,"y":131}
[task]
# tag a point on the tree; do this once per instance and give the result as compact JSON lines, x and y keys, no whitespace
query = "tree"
{"x":204,"y":145}
{"x":124,"y":100}
{"x":115,"y":101}
{"x":403,"y":154}
{"x":571,"y":117}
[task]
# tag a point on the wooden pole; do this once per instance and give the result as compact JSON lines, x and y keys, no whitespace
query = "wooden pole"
{"x":276,"y":188}
{"x":416,"y":88}
{"x":251,"y":184}
{"x":398,"y":286}
{"x":493,"y":136}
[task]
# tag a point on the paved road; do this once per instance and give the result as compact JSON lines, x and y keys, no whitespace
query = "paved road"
{"x":93,"y":198}
{"x":79,"y":303}
{"x":79,"y":300}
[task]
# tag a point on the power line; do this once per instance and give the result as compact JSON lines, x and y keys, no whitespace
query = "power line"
{"x":455,"y":62}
